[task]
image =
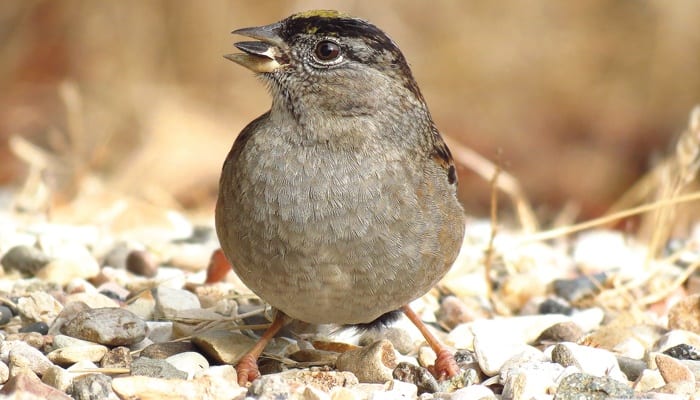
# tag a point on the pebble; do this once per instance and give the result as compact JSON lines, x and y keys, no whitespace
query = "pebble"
{"x":166,"y":349}
{"x":25,"y":259}
{"x":36,"y":361}
{"x":118,"y":357}
{"x":561,"y":332}
{"x":473,"y":392}
{"x":675,"y":337}
{"x":4,"y":372}
{"x":37,"y":327}
{"x":424,"y":381}
{"x":68,"y":313}
{"x":58,"y":378}
{"x":143,"y":305}
{"x":579,"y":386}
{"x":93,"y":386}
{"x":159,"y":331}
{"x":683,"y":352}
{"x":71,"y":355}
{"x":93,"y":300}
{"x":108,"y":326}
{"x":685,"y":314}
{"x":23,"y":386}
{"x":589,"y":360}
{"x":372,"y":364}
{"x":34,"y":339}
{"x":204,"y":388}
{"x":274,"y":385}
{"x":156,"y":369}
{"x":170,"y":301}
{"x":71,"y":260}
{"x":576,"y":289}
{"x":223,"y":346}
{"x":400,"y":338}
{"x":527,"y":380}
{"x":631,"y":367}
{"x":6,"y":315}
{"x":142,"y":263}
{"x":39,"y":306}
{"x":190,"y":362}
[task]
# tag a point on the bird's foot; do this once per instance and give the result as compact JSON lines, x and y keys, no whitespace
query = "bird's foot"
{"x":247,"y":370}
{"x":445,"y":365}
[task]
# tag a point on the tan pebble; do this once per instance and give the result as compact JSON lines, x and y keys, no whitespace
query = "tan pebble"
{"x":372,"y":364}
{"x":673,"y":370}
{"x":686,"y":314}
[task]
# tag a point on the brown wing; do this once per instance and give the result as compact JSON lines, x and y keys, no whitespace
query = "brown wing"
{"x":441,"y":154}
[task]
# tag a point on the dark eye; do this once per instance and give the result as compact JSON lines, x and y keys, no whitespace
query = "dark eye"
{"x":327,"y":50}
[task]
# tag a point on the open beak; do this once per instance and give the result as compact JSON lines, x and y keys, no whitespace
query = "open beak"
{"x":264,"y":55}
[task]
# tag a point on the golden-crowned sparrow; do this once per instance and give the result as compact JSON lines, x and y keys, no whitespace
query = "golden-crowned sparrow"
{"x":339,"y":204}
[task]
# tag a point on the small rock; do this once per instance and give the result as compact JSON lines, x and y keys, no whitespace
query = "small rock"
{"x":25,"y":259}
{"x":631,"y":367}
{"x":34,"y":339}
{"x":555,"y":305}
{"x":315,"y":357}
{"x":204,"y":388}
{"x":5,"y":315}
{"x":648,"y":380}
{"x":472,"y":392}
{"x":156,"y":369}
{"x":142,"y":263}
{"x":37,"y":327}
{"x":530,"y":379}
{"x":453,"y":311}
{"x":492,"y":356}
{"x":118,"y":357}
{"x":399,"y":338}
{"x":577,"y":289}
{"x":160,"y":331}
{"x":4,"y":373}
{"x":60,"y":341}
{"x":418,"y":376}
{"x":108,"y":326}
{"x":74,"y":261}
{"x":93,"y":386}
{"x":224,"y":346}
{"x":190,"y":362}
{"x":28,"y":384}
{"x":58,"y":378}
{"x":685,"y":314}
{"x":69,"y":312}
{"x":579,"y":386}
{"x":592,"y":361}
{"x":93,"y":300}
{"x":36,"y":360}
{"x":267,"y":385}
{"x":143,"y":305}
{"x":71,"y":355}
{"x":673,"y":370}
{"x":169,"y":301}
{"x":372,"y":364}
{"x":164,"y":350}
{"x":39,"y":306}
{"x":676,"y":337}
{"x":683,"y":352}
{"x":561,"y":332}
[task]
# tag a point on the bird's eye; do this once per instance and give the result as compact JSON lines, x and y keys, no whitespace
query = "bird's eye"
{"x":327,"y":50}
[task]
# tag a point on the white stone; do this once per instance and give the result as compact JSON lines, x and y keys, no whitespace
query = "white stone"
{"x":190,"y":362}
{"x":473,"y":392}
{"x":159,"y":331}
{"x":169,"y":301}
{"x":36,"y":360}
{"x":531,"y":379}
{"x":593,"y":361}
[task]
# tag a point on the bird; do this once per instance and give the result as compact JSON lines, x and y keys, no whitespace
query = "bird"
{"x":339,"y":204}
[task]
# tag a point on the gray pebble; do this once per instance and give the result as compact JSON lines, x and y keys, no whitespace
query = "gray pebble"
{"x":93,"y":387}
{"x":156,"y":369}
{"x":25,"y":259}
{"x":108,"y":326}
{"x":587,"y":387}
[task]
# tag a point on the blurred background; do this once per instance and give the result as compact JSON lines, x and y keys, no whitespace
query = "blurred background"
{"x":577,"y":100}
